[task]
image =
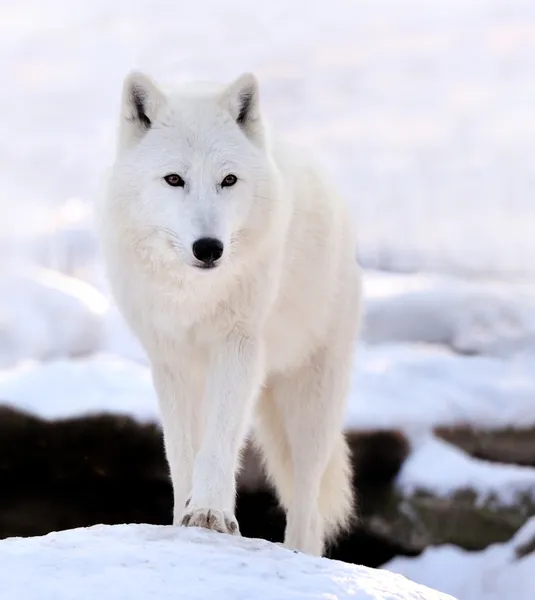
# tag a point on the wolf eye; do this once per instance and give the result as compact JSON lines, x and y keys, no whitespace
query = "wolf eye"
{"x":174,"y":180}
{"x":229,"y":180}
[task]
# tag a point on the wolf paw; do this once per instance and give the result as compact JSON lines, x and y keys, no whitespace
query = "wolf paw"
{"x":209,"y":518}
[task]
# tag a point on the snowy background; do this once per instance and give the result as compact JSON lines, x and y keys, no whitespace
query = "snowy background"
{"x":422,"y":111}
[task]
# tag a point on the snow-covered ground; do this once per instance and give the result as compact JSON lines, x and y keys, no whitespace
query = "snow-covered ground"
{"x":413,"y":387}
{"x":403,"y":388}
{"x":412,"y":381}
{"x":498,"y":573}
{"x":423,"y":113}
{"x":143,"y":561}
{"x":80,"y":358}
{"x":394,"y":386}
{"x":44,"y":314}
{"x":469,"y":316}
{"x":437,"y":467}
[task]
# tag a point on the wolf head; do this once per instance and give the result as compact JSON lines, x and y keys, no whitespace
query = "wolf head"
{"x":192,"y":174}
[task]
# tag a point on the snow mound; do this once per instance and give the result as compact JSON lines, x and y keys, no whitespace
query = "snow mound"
{"x":492,"y":574}
{"x":460,"y":471}
{"x":69,"y":388}
{"x":471,"y":317}
{"x":418,"y":387}
{"x":44,"y":314}
{"x":147,"y":561}
{"x":400,"y":387}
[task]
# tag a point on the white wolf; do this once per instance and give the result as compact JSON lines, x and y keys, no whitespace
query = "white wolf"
{"x":234,"y":263}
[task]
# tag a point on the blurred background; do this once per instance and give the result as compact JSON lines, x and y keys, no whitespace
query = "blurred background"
{"x":423,"y":112}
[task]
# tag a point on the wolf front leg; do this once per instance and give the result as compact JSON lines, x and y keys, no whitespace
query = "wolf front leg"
{"x":233,"y":384}
{"x":179,"y":391}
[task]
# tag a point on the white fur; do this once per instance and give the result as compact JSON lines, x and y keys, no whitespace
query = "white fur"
{"x":266,"y":338}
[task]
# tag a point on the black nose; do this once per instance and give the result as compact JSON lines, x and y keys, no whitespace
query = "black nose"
{"x":208,"y":250}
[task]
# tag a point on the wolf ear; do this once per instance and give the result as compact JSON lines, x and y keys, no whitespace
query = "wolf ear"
{"x":141,"y":102}
{"x":242,"y":101}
